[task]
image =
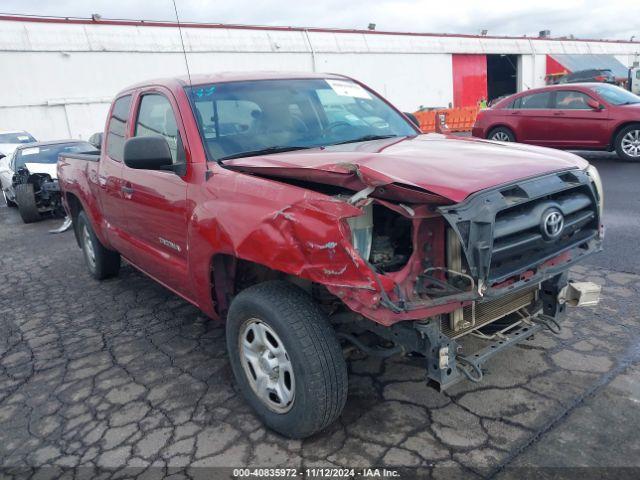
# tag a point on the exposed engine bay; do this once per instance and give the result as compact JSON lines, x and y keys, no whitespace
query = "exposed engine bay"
{"x":46,"y":191}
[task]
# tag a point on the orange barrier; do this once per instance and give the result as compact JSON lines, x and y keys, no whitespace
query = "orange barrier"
{"x":459,"y":119}
{"x":427,"y":119}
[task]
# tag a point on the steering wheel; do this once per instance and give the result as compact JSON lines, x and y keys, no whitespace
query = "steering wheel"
{"x":340,"y":123}
{"x":380,"y":124}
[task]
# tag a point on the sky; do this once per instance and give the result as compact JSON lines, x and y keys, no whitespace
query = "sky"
{"x":613,"y":19}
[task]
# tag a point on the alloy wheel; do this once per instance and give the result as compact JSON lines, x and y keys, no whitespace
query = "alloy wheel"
{"x":87,"y":246}
{"x":500,"y":137}
{"x":631,"y":143}
{"x":267,"y":365}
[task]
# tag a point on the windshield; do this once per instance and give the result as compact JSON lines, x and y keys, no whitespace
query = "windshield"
{"x":17,"y":137}
{"x":251,"y":117}
{"x":616,"y":95}
{"x":49,"y":153}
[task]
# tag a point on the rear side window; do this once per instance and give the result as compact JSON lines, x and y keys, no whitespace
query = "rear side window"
{"x":536,"y":100}
{"x":156,"y":117}
{"x":117,"y":128}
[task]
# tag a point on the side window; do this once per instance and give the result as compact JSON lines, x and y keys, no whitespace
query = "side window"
{"x":156,"y":117}
{"x":117,"y":127}
{"x":537,"y":100}
{"x":571,"y":100}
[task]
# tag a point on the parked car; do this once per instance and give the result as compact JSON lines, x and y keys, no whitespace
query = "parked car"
{"x":592,"y":75}
{"x":587,"y":116}
{"x":305,"y":211}
{"x":9,"y":140}
{"x":28,"y":178}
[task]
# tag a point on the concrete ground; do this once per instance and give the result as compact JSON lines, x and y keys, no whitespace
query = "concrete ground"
{"x":122,"y":378}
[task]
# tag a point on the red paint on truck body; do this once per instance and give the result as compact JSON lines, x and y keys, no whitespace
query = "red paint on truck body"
{"x":247,"y":210}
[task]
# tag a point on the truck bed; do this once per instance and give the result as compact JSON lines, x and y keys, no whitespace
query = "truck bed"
{"x":89,"y":156}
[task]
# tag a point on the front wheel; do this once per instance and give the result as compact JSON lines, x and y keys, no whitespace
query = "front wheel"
{"x":628,"y":143}
{"x":286,"y":359}
{"x":501,"y":134}
{"x":27,"y":205}
{"x":101,"y":262}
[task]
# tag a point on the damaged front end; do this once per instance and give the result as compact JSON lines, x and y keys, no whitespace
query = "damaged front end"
{"x":417,"y":273}
{"x":46,"y":190}
{"x":493,"y":266}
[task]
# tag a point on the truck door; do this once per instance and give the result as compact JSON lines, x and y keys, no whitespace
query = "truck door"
{"x":110,"y":175}
{"x":157,"y":211}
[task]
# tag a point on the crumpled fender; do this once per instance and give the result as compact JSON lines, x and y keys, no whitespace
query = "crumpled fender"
{"x":286,"y":228}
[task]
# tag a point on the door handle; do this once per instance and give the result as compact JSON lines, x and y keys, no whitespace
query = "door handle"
{"x":515,"y":113}
{"x":558,"y":114}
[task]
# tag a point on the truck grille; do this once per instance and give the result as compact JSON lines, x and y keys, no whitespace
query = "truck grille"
{"x":487,"y":312}
{"x":519,"y":236}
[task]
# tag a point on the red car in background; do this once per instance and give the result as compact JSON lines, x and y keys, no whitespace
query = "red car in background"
{"x":579,"y":116}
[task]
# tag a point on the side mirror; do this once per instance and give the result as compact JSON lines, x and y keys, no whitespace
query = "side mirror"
{"x":413,"y":119}
{"x":148,"y":153}
{"x":96,"y":140}
{"x":593,"y":104}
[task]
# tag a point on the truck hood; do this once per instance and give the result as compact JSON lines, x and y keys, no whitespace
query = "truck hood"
{"x":48,"y":168}
{"x":447,"y":166}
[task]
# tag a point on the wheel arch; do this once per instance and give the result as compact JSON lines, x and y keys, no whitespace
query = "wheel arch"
{"x":229,"y":275}
{"x":618,"y":129}
{"x":74,"y":207}
{"x":500,"y":125}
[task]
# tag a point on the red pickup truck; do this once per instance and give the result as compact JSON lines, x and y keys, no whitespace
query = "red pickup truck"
{"x":309,"y":214}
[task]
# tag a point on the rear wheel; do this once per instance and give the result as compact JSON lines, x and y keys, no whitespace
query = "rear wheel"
{"x":26,"y":200}
{"x":101,"y":262}
{"x":286,"y":359}
{"x":501,"y":134}
{"x":628,"y":143}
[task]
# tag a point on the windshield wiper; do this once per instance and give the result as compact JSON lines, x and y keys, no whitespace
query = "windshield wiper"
{"x":366,"y":138}
{"x":264,"y":151}
{"x":629,"y":103}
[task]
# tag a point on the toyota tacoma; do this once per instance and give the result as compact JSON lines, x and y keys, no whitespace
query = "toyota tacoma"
{"x":313,"y":217}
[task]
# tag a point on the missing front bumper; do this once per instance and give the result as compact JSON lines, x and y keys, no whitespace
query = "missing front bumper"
{"x":544,"y":316}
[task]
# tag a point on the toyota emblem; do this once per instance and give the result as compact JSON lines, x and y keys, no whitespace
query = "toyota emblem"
{"x":552,"y":223}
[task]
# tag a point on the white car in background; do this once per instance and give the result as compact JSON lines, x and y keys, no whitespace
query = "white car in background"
{"x":28,"y":177}
{"x":9,"y":140}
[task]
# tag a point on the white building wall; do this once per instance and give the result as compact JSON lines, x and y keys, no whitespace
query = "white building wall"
{"x":532,"y":70}
{"x":58,"y":78}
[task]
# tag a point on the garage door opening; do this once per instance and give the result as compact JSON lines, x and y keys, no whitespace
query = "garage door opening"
{"x":502,"y":75}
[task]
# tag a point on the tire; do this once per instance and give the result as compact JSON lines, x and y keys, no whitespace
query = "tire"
{"x":308,"y":355}
{"x":101,"y":262}
{"x":26,"y":200}
{"x":627,"y":143}
{"x":503,"y":133}
{"x":9,"y":203}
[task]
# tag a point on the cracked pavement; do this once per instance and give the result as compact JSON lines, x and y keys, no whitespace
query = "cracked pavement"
{"x":122,"y":377}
